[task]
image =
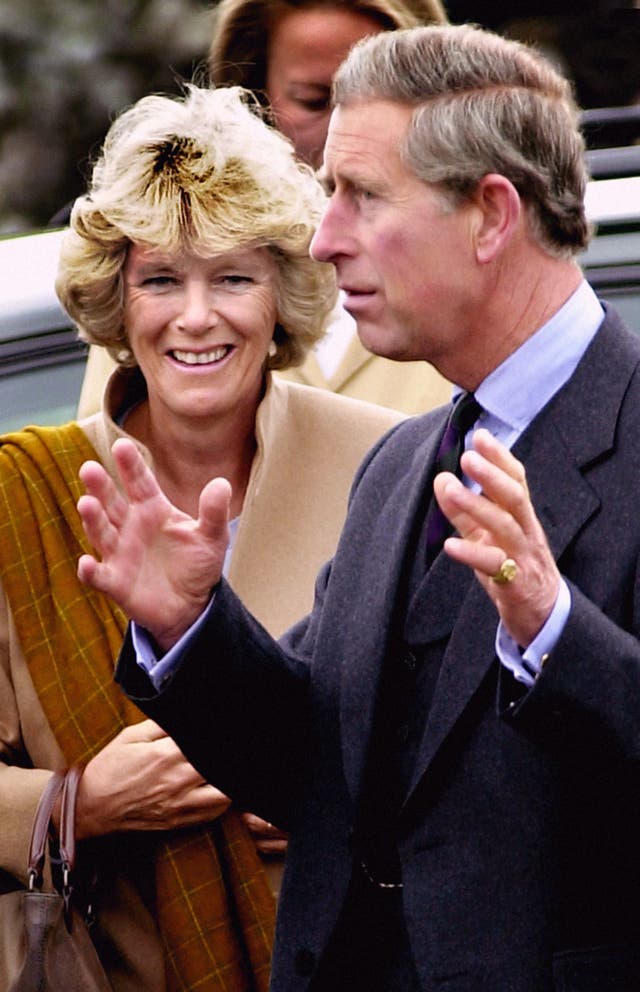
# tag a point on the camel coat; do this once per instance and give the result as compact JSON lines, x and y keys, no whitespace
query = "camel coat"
{"x":309,"y":444}
{"x":412,"y":387}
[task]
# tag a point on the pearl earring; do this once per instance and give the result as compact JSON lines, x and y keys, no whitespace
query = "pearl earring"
{"x":273,"y":349}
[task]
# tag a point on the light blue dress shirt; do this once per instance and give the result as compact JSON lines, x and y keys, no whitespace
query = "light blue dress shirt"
{"x":511,"y":397}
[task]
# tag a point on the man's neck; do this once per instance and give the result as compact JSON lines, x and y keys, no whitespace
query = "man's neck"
{"x":525,"y":303}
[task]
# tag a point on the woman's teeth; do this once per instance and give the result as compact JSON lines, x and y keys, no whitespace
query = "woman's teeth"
{"x":200,"y":357}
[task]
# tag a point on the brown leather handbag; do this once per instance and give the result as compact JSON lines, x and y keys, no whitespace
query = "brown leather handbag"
{"x":44,"y":940}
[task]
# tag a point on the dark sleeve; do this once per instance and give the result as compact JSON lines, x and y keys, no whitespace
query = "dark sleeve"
{"x":588,"y":692}
{"x":241,"y":705}
{"x":237,"y":707}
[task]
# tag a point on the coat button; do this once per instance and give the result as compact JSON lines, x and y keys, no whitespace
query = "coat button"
{"x":410,"y":661}
{"x":402,"y":733}
{"x":305,"y":962}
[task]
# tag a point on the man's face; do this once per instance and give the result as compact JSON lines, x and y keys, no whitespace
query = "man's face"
{"x":403,"y":258}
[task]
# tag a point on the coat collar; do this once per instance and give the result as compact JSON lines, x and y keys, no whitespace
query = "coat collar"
{"x":355,"y":358}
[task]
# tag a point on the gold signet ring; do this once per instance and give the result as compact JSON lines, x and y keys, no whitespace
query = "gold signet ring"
{"x":506,"y":573}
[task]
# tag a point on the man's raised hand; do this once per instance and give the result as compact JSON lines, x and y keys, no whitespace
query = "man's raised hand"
{"x":156,"y":562}
{"x":500,"y":525}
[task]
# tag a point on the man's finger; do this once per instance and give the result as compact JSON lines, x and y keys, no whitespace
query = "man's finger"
{"x":471,"y":513}
{"x":88,"y":572}
{"x":495,"y":452}
{"x":213,"y":509}
{"x":139,"y":482}
{"x":501,"y":488}
{"x":99,"y":484}
{"x":485,"y":559}
{"x":99,"y":529}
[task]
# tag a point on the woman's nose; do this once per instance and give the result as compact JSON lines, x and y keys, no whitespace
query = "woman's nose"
{"x":198,"y":311}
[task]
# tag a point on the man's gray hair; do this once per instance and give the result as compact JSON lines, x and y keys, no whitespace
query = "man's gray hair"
{"x":484,"y":104}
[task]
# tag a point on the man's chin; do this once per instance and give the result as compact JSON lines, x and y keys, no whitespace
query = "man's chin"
{"x":376,"y":340}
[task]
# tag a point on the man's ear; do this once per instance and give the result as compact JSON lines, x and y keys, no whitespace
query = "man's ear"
{"x":500,"y":210}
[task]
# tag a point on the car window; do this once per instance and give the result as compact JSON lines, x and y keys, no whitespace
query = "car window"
{"x":46,"y":396}
{"x":41,"y":359}
{"x":612,"y":261}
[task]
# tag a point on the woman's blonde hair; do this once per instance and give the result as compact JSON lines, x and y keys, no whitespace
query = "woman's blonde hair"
{"x":202,"y":172}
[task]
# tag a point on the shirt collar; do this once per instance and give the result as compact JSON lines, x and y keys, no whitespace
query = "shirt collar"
{"x":523,"y":384}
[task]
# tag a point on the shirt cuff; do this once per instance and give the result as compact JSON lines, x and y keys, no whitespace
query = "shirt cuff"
{"x":527,"y":665}
{"x":160,"y":671}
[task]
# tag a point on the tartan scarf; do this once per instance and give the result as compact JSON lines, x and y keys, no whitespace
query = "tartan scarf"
{"x":214,"y":907}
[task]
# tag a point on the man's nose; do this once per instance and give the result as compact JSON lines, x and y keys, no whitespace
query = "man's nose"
{"x":329,"y":238}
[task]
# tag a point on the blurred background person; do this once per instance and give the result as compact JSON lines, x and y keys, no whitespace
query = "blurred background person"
{"x":188,"y":259}
{"x":286,"y":52}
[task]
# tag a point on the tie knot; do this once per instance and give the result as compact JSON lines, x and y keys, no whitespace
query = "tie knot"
{"x":465,"y":413}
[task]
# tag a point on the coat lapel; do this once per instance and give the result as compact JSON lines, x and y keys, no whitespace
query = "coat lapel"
{"x":564,"y":502}
{"x":574,"y":430}
{"x":373,"y":590}
{"x":354,"y":358}
{"x":310,"y":372}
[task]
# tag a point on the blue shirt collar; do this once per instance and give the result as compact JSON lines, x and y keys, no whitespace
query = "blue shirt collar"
{"x":523,"y":384}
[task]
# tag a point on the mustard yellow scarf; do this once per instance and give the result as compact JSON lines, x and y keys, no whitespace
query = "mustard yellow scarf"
{"x":214,"y":907}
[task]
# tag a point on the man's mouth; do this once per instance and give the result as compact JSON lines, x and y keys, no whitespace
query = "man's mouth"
{"x":355,"y":299}
{"x":356,"y":291}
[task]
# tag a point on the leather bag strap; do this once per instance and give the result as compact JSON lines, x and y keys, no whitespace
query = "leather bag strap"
{"x":68,"y":835}
{"x":40,"y":829}
{"x":68,"y":817}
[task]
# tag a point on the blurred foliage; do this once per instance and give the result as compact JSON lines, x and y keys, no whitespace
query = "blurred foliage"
{"x":66,"y":68}
{"x":595,"y":42}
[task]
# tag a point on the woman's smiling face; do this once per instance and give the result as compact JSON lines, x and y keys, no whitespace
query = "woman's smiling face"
{"x":200,"y":328}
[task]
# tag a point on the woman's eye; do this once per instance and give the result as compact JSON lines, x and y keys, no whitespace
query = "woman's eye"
{"x":163,"y":280}
{"x":235,"y":279}
{"x":315,"y":106}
